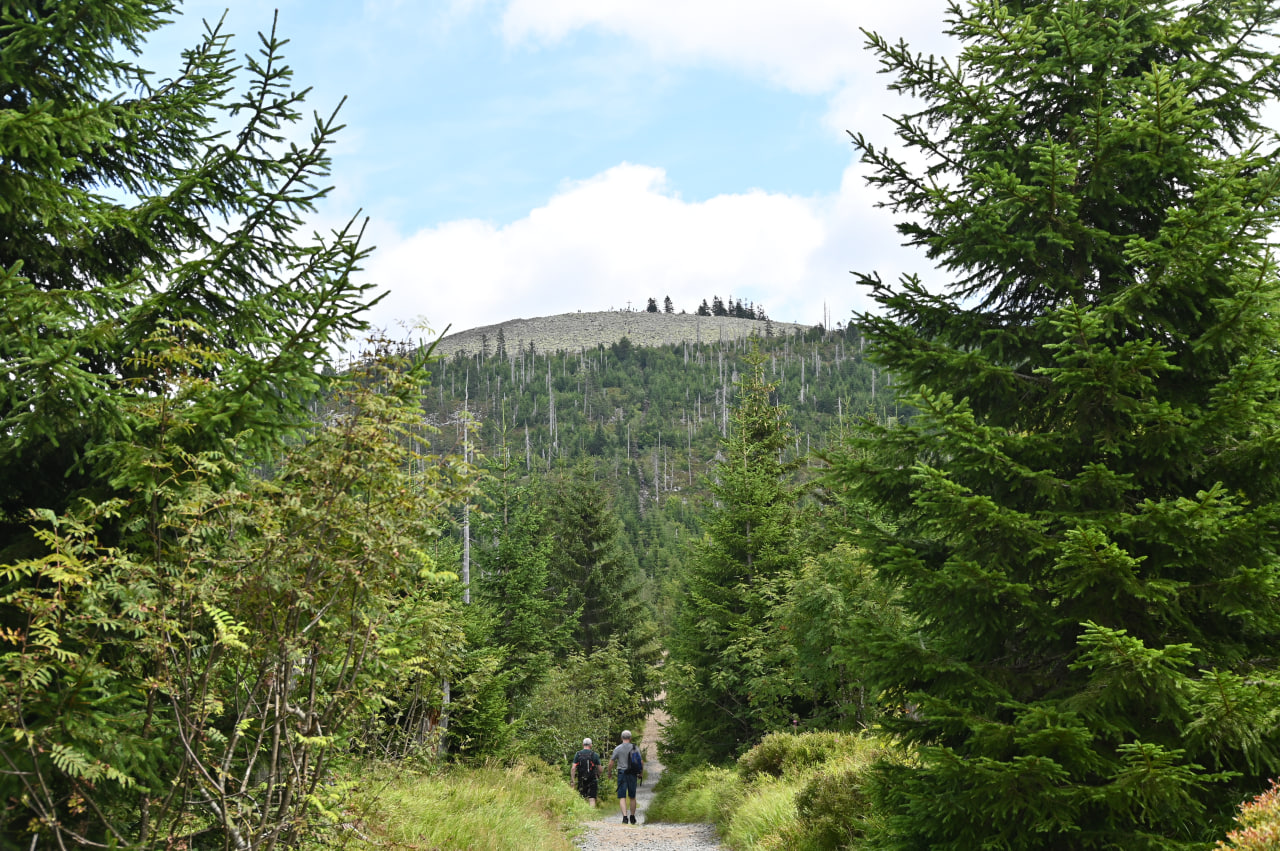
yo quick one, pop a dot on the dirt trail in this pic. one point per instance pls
(608, 832)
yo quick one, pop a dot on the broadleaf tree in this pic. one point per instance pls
(1083, 505)
(197, 685)
(835, 610)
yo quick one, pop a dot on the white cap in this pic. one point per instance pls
(626, 734)
(586, 743)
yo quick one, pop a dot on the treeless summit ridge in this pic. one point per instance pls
(572, 332)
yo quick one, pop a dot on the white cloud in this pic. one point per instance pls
(623, 236)
(806, 45)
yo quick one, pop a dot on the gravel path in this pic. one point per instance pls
(608, 832)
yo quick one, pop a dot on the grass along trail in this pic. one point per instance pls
(608, 832)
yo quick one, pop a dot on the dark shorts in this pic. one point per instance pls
(589, 787)
(626, 784)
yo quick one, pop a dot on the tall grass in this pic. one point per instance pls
(524, 807)
(765, 818)
(704, 794)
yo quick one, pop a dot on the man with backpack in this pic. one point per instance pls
(630, 766)
(586, 772)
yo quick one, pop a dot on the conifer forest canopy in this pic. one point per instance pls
(1020, 523)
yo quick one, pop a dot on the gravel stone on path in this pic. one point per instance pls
(608, 832)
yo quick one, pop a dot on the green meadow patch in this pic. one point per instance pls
(522, 807)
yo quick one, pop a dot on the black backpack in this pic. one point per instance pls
(586, 762)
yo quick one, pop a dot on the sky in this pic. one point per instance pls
(524, 158)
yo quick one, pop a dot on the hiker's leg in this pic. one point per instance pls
(631, 791)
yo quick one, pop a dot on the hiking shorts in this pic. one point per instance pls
(626, 784)
(588, 787)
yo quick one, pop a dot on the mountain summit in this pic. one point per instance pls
(571, 332)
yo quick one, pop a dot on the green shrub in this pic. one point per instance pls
(766, 757)
(583, 696)
(833, 807)
(816, 749)
(828, 774)
(804, 792)
(787, 753)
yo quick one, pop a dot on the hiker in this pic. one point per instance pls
(628, 777)
(586, 772)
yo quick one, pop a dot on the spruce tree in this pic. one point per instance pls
(728, 679)
(592, 570)
(512, 586)
(127, 210)
(1084, 505)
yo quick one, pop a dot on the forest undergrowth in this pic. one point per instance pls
(803, 792)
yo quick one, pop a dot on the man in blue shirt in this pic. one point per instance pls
(626, 780)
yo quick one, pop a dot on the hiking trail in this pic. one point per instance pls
(607, 831)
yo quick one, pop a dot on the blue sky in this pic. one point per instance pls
(522, 158)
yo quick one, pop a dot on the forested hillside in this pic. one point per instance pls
(656, 408)
(649, 419)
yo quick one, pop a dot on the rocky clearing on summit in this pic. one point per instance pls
(572, 332)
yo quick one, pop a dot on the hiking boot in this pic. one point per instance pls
(633, 818)
(625, 820)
